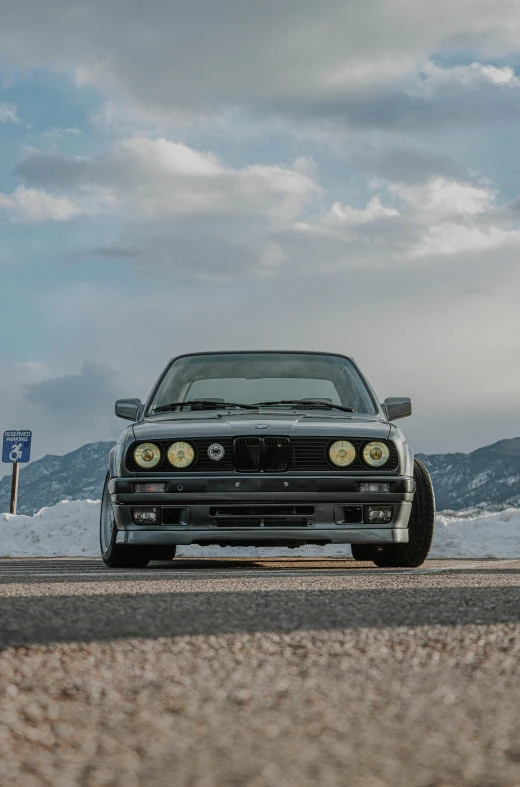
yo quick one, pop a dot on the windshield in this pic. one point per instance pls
(250, 378)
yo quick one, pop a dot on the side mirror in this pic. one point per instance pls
(130, 409)
(397, 407)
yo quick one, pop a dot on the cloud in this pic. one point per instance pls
(63, 411)
(187, 211)
(54, 135)
(8, 113)
(35, 206)
(438, 217)
(457, 217)
(87, 396)
(184, 209)
(474, 76)
(396, 163)
(373, 211)
(453, 238)
(442, 197)
(365, 66)
(156, 178)
(429, 97)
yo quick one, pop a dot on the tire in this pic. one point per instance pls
(361, 552)
(116, 555)
(420, 526)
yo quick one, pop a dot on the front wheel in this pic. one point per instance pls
(116, 555)
(420, 528)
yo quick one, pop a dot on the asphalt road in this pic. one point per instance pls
(275, 672)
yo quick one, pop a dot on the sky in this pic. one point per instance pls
(185, 175)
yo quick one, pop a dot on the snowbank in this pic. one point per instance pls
(487, 534)
(70, 529)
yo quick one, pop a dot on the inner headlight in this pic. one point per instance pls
(342, 453)
(181, 454)
(147, 455)
(376, 454)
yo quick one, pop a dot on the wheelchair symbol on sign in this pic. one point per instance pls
(16, 453)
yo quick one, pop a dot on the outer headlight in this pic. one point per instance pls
(147, 455)
(181, 454)
(376, 454)
(342, 453)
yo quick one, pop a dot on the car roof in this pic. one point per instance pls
(262, 352)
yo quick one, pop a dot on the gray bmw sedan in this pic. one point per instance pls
(267, 448)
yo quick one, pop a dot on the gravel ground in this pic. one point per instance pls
(280, 672)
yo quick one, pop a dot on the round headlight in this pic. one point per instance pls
(376, 454)
(181, 454)
(147, 455)
(342, 453)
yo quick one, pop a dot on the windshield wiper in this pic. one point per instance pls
(308, 403)
(202, 404)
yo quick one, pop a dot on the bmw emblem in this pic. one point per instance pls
(262, 426)
(216, 452)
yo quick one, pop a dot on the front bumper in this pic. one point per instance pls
(319, 503)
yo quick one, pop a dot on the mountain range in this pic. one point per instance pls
(76, 476)
(486, 478)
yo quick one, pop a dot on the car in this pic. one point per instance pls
(265, 448)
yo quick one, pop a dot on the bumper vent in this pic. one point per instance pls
(292, 515)
(264, 522)
(269, 510)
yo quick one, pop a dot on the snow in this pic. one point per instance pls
(71, 529)
(486, 534)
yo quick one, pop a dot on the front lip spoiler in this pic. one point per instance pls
(247, 538)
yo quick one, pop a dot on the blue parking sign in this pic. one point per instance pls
(17, 446)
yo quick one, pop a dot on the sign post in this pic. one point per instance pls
(15, 450)
(14, 488)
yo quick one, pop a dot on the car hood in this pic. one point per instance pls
(213, 425)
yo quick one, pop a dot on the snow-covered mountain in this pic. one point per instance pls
(487, 478)
(76, 476)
